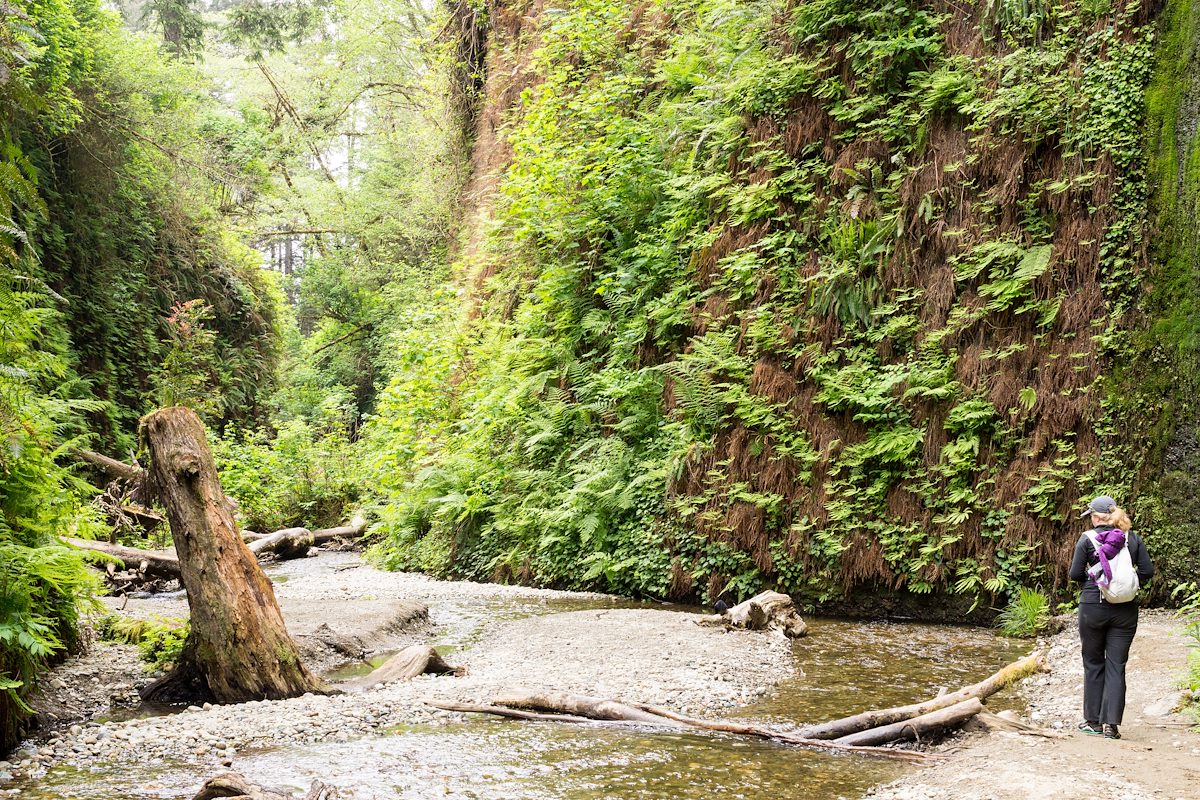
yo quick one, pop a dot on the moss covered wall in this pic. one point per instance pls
(1155, 391)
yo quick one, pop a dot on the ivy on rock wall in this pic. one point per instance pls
(816, 294)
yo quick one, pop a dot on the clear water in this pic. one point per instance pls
(842, 667)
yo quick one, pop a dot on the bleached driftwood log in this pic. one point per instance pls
(561, 707)
(283, 544)
(158, 563)
(861, 733)
(765, 611)
(410, 662)
(1010, 674)
(319, 535)
(918, 727)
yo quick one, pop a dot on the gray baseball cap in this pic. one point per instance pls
(1100, 505)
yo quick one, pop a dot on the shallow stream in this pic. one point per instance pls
(842, 667)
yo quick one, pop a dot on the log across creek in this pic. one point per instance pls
(863, 734)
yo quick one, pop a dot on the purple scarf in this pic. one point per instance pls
(1109, 543)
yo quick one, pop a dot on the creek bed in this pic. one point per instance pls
(841, 668)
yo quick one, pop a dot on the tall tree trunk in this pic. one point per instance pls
(238, 648)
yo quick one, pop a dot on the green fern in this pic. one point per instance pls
(1026, 615)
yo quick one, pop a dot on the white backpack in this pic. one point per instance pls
(1124, 584)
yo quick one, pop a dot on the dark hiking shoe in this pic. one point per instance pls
(1090, 728)
(1111, 732)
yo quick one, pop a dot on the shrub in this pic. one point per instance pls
(300, 476)
(1026, 614)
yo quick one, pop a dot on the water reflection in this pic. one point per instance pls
(845, 667)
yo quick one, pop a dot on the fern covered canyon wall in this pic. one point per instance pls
(855, 298)
(683, 299)
(107, 236)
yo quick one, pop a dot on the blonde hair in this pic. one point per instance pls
(1117, 517)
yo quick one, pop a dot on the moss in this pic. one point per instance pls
(1153, 389)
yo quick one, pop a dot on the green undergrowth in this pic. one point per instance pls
(159, 640)
(300, 474)
(1026, 615)
(813, 296)
(1189, 613)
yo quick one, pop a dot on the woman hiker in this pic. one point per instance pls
(1105, 629)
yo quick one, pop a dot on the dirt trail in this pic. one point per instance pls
(1157, 758)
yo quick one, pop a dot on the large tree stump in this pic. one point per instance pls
(238, 648)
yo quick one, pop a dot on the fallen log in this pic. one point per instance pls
(410, 662)
(765, 611)
(577, 705)
(838, 728)
(285, 544)
(560, 707)
(352, 531)
(111, 466)
(510, 713)
(913, 729)
(158, 563)
(319, 535)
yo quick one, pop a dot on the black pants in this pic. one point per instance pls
(1106, 631)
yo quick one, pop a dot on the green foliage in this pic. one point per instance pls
(268, 27)
(1026, 615)
(42, 582)
(180, 23)
(717, 344)
(187, 374)
(1188, 594)
(302, 475)
(160, 640)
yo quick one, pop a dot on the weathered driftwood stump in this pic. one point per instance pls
(233, 785)
(771, 611)
(410, 662)
(238, 648)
